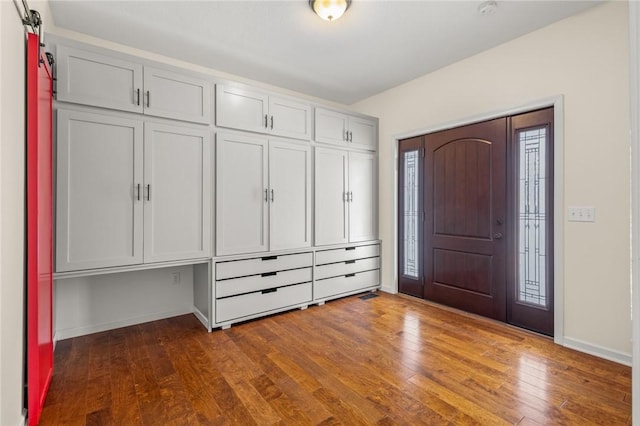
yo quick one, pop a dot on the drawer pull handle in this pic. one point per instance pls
(350, 275)
(269, 258)
(350, 248)
(271, 290)
(269, 274)
(349, 261)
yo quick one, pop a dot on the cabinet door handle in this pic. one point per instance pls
(138, 96)
(271, 290)
(272, 196)
(272, 122)
(269, 274)
(148, 99)
(266, 195)
(350, 136)
(138, 192)
(349, 248)
(350, 196)
(348, 262)
(270, 258)
(350, 275)
(148, 192)
(266, 117)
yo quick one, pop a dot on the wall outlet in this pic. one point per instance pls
(175, 278)
(582, 214)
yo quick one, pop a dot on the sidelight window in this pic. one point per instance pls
(532, 216)
(411, 211)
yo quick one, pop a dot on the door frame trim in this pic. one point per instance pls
(557, 102)
(634, 116)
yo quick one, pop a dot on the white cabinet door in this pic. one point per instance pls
(177, 190)
(241, 109)
(289, 195)
(171, 95)
(289, 118)
(363, 133)
(94, 79)
(99, 205)
(331, 127)
(363, 200)
(241, 194)
(331, 172)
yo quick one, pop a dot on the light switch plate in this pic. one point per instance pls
(582, 214)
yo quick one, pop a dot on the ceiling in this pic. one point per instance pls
(376, 45)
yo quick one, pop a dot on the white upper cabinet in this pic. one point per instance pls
(177, 187)
(100, 80)
(345, 130)
(90, 78)
(346, 196)
(172, 95)
(263, 194)
(289, 118)
(259, 112)
(99, 191)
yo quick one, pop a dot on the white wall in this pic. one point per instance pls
(586, 59)
(12, 184)
(103, 302)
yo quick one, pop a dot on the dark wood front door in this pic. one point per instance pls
(475, 218)
(465, 208)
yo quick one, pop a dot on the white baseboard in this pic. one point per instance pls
(89, 329)
(23, 420)
(598, 351)
(389, 290)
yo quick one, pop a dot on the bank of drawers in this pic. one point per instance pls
(249, 287)
(346, 270)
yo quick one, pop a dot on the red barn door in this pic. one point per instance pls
(39, 229)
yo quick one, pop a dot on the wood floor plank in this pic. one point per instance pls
(388, 360)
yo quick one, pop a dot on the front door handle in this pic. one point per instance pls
(497, 236)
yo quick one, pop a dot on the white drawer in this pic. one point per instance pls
(344, 284)
(348, 267)
(348, 253)
(245, 305)
(260, 265)
(263, 281)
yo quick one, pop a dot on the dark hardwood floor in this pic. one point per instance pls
(386, 360)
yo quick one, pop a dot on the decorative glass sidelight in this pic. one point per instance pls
(411, 211)
(532, 217)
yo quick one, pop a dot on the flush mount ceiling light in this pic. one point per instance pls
(329, 10)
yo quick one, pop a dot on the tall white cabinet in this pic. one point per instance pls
(263, 194)
(346, 196)
(177, 185)
(129, 192)
(99, 191)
